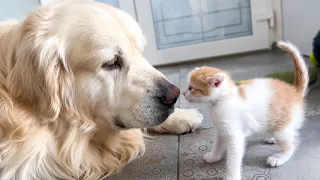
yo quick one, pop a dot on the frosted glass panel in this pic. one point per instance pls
(185, 22)
(114, 3)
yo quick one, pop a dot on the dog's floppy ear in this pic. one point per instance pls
(41, 77)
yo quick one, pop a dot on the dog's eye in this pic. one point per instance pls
(114, 64)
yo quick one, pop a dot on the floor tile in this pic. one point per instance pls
(303, 165)
(313, 102)
(160, 161)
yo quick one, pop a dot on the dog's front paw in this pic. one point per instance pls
(181, 121)
(210, 158)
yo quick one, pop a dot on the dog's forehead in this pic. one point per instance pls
(95, 19)
(99, 29)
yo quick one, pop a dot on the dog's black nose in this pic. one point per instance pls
(170, 93)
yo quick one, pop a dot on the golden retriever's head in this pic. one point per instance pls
(87, 58)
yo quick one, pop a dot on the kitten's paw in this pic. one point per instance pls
(210, 158)
(275, 160)
(271, 140)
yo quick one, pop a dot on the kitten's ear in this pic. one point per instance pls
(215, 80)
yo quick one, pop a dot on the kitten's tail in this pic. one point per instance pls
(301, 70)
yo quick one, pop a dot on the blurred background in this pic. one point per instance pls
(189, 30)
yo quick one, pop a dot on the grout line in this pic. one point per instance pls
(178, 160)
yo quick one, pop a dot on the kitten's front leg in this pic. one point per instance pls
(217, 150)
(235, 151)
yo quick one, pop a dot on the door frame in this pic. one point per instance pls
(275, 33)
(261, 37)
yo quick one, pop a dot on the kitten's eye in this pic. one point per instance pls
(114, 64)
(190, 88)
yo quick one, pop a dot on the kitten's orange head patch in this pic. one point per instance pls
(202, 80)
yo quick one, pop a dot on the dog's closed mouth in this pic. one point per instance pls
(174, 102)
(171, 110)
(118, 122)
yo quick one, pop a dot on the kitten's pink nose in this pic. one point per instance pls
(184, 93)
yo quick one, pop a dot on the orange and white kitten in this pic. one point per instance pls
(257, 106)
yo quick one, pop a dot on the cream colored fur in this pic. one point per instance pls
(180, 122)
(75, 90)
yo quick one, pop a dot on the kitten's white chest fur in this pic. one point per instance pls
(248, 115)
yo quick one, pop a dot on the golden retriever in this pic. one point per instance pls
(75, 91)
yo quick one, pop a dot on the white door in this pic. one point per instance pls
(183, 30)
(300, 23)
(125, 5)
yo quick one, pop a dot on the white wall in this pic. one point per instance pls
(301, 22)
(17, 9)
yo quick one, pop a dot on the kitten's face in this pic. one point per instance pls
(205, 84)
(197, 92)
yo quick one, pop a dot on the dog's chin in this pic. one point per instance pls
(171, 110)
(118, 123)
(121, 125)
(163, 117)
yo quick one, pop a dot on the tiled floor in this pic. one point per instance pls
(171, 157)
